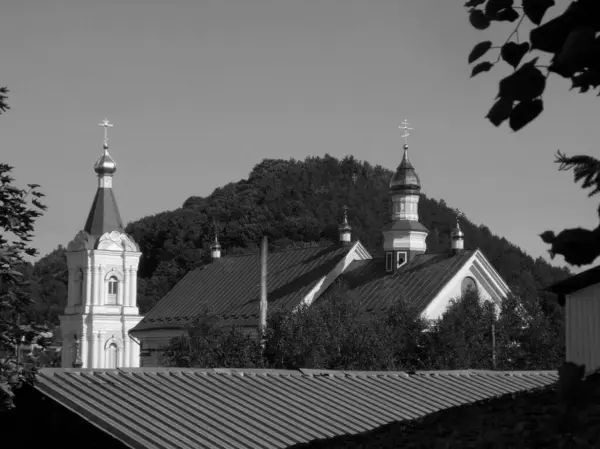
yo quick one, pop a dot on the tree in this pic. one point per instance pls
(573, 48)
(19, 209)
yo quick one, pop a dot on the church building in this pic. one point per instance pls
(102, 261)
(231, 286)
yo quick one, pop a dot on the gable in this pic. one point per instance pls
(490, 285)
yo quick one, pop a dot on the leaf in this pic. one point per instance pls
(526, 83)
(493, 7)
(479, 50)
(479, 20)
(473, 3)
(535, 9)
(548, 237)
(524, 113)
(506, 15)
(481, 67)
(512, 52)
(500, 111)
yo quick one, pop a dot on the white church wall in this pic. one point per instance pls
(92, 312)
(487, 289)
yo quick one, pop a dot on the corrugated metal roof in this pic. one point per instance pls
(104, 214)
(220, 408)
(231, 286)
(418, 282)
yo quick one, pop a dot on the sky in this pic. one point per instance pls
(200, 91)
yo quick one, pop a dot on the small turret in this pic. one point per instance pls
(458, 239)
(215, 249)
(345, 229)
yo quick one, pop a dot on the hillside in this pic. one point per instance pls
(293, 202)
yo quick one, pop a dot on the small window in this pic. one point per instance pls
(113, 287)
(400, 259)
(389, 258)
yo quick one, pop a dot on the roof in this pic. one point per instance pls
(418, 282)
(156, 408)
(405, 225)
(230, 286)
(575, 283)
(104, 215)
(526, 419)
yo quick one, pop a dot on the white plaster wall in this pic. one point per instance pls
(582, 332)
(413, 240)
(452, 290)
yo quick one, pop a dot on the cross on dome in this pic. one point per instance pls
(106, 125)
(405, 128)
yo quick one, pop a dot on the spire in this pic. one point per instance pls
(458, 238)
(104, 214)
(345, 229)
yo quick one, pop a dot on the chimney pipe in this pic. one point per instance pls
(262, 315)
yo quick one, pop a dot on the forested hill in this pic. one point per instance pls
(294, 203)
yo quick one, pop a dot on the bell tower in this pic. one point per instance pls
(102, 290)
(404, 237)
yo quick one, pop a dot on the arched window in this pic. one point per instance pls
(113, 288)
(112, 355)
(468, 283)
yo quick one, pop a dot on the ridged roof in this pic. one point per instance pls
(104, 214)
(160, 408)
(230, 286)
(418, 282)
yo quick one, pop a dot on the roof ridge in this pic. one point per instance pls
(308, 371)
(277, 251)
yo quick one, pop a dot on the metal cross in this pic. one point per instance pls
(345, 212)
(106, 125)
(405, 128)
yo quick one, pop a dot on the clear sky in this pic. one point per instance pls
(200, 91)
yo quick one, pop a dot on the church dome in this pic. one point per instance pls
(105, 165)
(405, 178)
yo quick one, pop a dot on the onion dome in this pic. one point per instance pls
(405, 179)
(105, 165)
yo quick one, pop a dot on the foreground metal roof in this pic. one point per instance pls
(158, 408)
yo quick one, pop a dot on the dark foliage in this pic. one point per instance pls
(19, 209)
